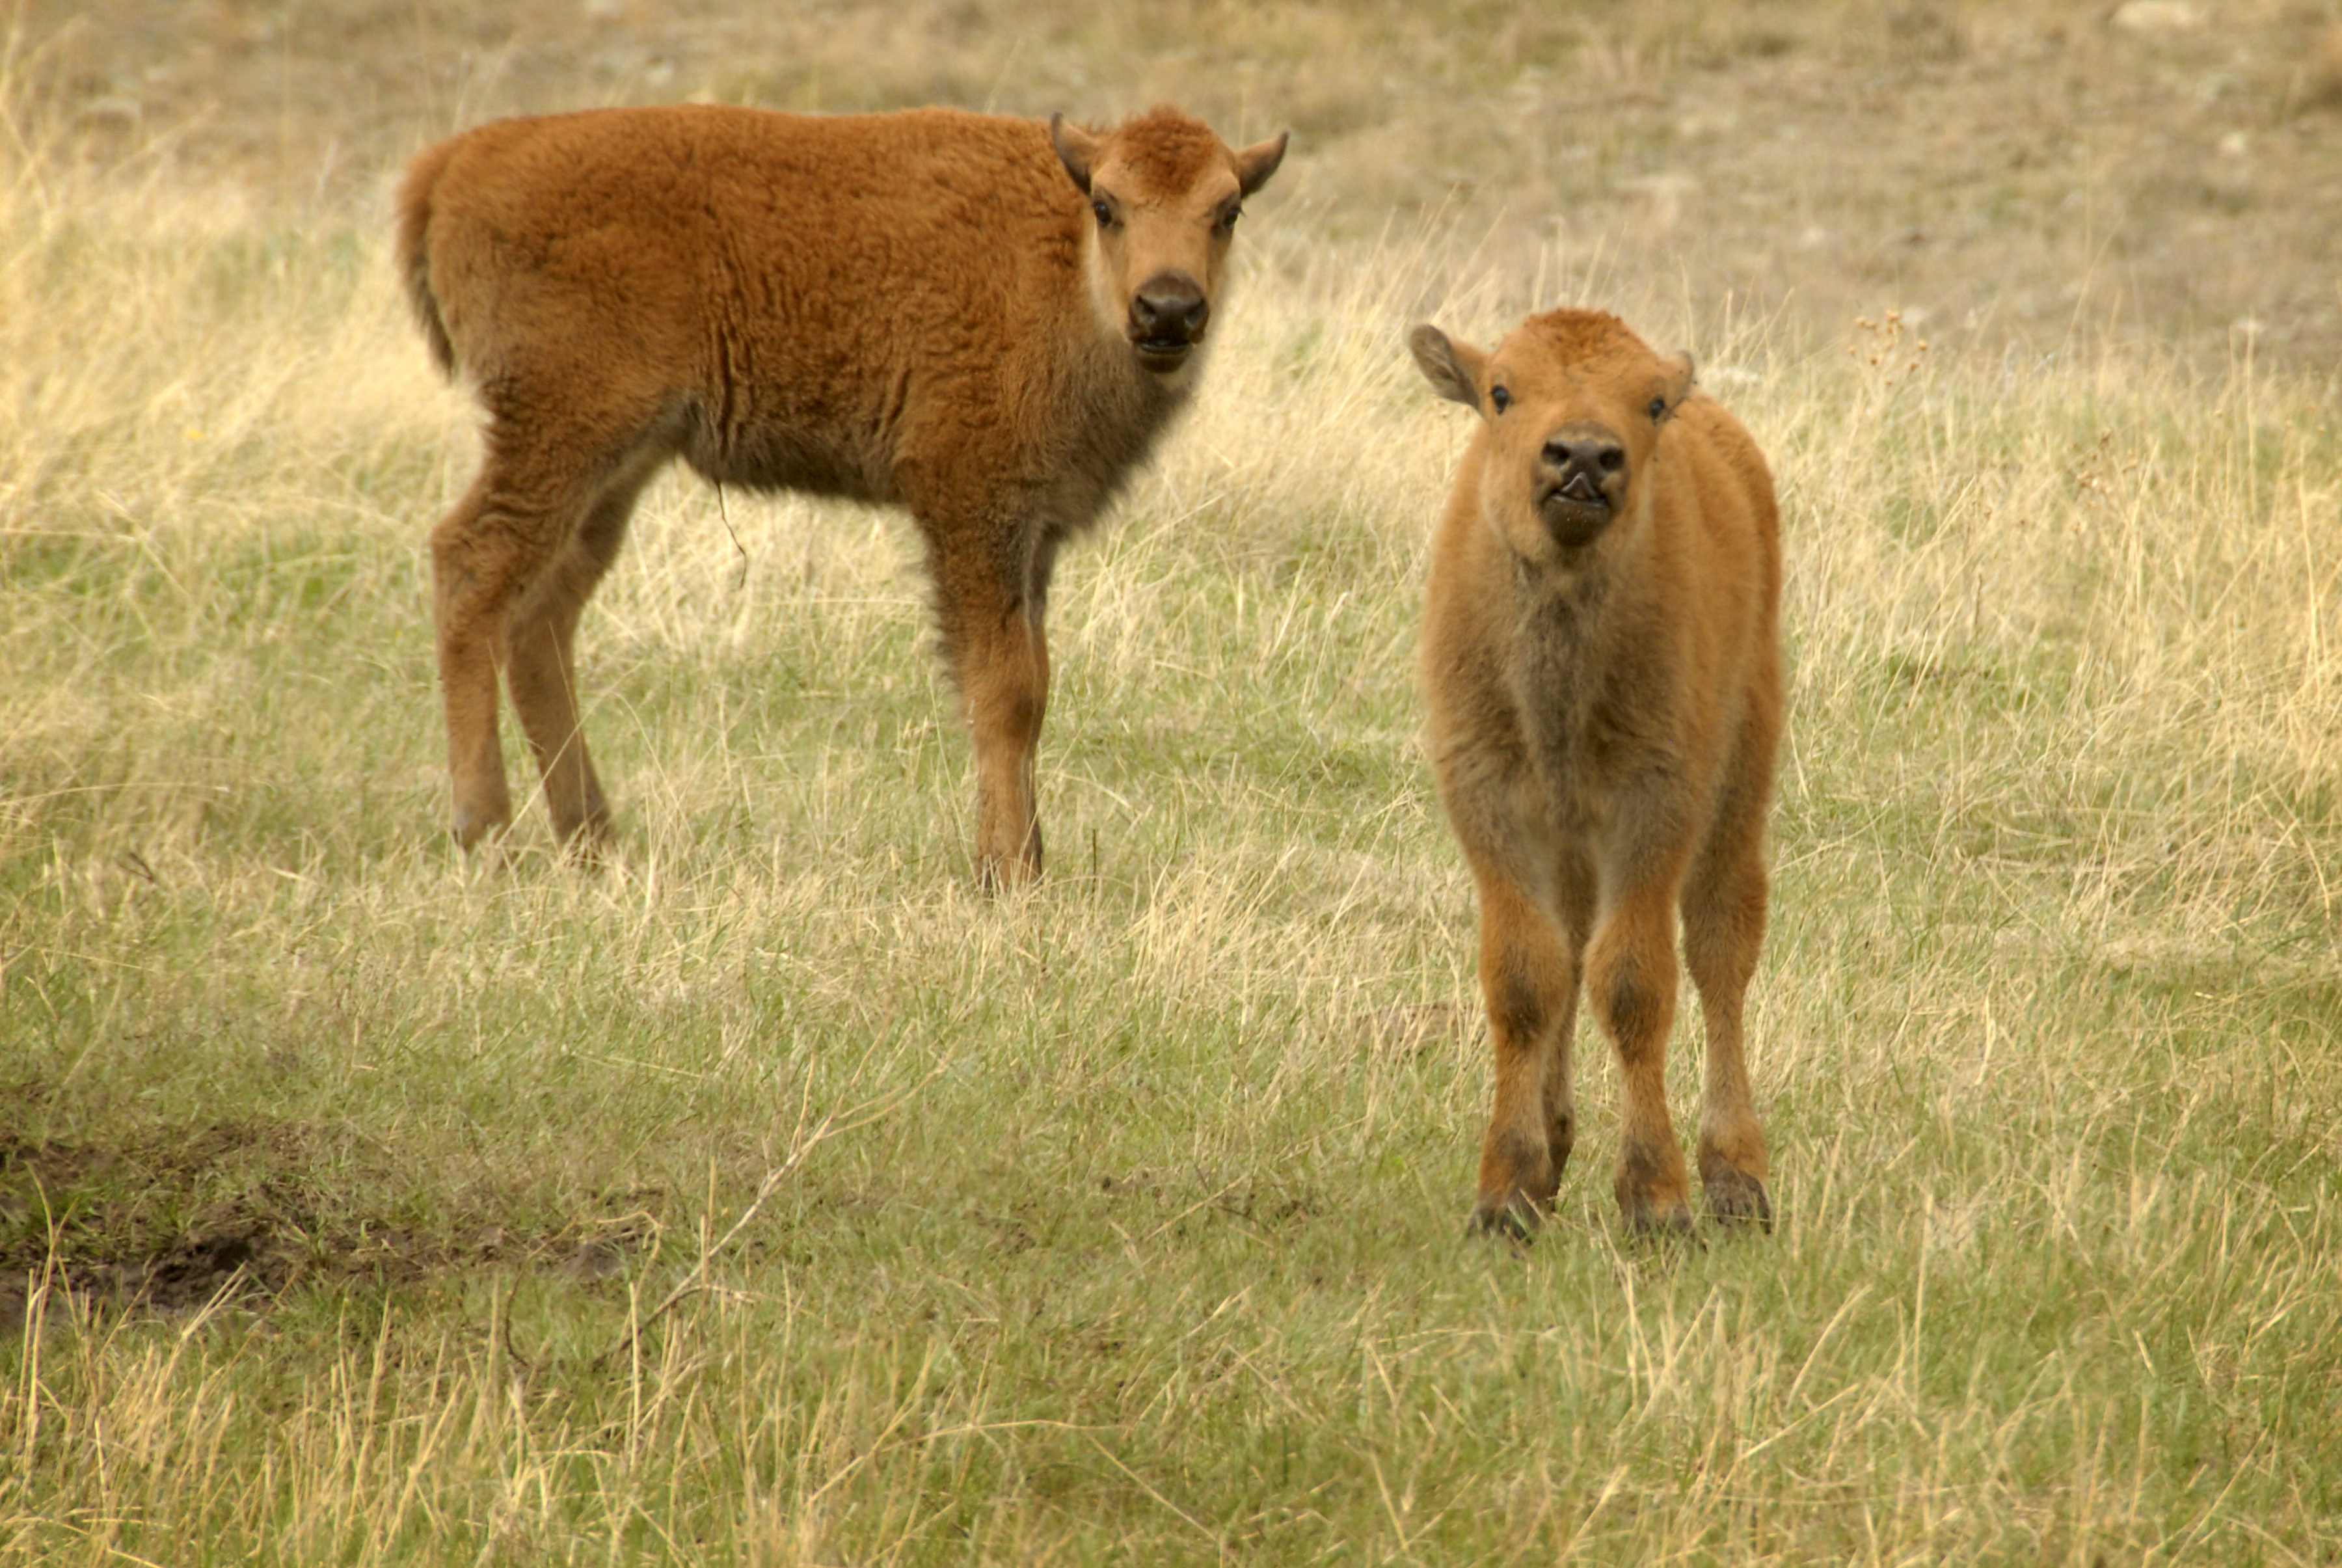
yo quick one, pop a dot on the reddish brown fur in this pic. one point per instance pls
(1168, 150)
(919, 309)
(1601, 655)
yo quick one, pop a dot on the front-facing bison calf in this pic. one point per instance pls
(1601, 655)
(989, 321)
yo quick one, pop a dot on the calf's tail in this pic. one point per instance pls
(415, 251)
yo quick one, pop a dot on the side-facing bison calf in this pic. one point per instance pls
(989, 321)
(1601, 655)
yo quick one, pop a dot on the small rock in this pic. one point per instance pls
(595, 1260)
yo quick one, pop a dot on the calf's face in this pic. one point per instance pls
(1163, 194)
(1573, 404)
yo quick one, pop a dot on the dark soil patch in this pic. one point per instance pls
(167, 1219)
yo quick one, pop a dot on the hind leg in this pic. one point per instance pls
(541, 669)
(1630, 979)
(485, 554)
(1724, 907)
(468, 576)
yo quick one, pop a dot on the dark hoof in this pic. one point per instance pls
(1736, 1200)
(1669, 1224)
(591, 850)
(998, 878)
(1515, 1218)
(471, 831)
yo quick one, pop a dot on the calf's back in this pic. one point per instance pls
(810, 300)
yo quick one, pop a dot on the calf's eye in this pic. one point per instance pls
(1658, 409)
(1105, 213)
(1500, 397)
(1229, 218)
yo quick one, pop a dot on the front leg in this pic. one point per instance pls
(1000, 657)
(1528, 978)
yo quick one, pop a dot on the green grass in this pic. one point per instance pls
(342, 1178)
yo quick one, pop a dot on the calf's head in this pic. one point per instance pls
(1165, 194)
(1573, 404)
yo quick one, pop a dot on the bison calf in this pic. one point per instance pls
(989, 321)
(1601, 655)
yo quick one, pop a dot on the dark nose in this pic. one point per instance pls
(1169, 306)
(1596, 452)
(1584, 458)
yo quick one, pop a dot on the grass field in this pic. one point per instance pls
(773, 1196)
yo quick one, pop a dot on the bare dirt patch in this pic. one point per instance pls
(166, 1218)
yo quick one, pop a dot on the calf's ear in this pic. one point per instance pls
(1453, 369)
(1076, 149)
(1679, 376)
(1254, 164)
